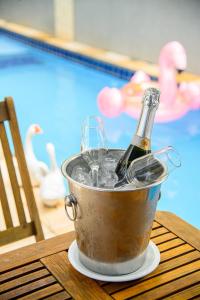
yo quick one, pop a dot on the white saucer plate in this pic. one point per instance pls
(151, 262)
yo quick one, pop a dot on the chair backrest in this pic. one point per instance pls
(28, 223)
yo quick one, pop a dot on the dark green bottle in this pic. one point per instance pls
(141, 142)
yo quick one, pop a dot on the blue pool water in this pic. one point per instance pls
(58, 94)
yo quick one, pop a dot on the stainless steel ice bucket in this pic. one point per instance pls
(112, 227)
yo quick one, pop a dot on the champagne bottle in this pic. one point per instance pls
(141, 142)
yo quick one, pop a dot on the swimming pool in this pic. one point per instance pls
(58, 94)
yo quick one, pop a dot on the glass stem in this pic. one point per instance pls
(95, 172)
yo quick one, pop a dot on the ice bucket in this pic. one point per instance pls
(112, 227)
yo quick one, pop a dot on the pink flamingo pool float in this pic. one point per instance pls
(176, 100)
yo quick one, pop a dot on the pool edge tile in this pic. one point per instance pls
(116, 64)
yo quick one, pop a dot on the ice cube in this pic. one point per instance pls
(80, 175)
(97, 169)
(94, 175)
(94, 156)
(107, 176)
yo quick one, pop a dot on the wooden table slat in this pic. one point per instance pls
(59, 296)
(156, 225)
(47, 291)
(171, 287)
(36, 251)
(21, 270)
(170, 244)
(186, 294)
(144, 286)
(28, 288)
(23, 279)
(162, 268)
(175, 252)
(158, 231)
(179, 227)
(79, 286)
(163, 238)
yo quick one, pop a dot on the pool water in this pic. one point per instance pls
(58, 94)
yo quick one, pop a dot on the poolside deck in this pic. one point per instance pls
(96, 53)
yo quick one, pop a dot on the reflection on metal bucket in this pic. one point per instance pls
(112, 227)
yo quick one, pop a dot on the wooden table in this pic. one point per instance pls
(42, 270)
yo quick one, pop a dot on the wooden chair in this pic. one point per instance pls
(25, 228)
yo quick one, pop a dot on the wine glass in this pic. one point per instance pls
(93, 144)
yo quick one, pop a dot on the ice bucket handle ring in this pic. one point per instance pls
(70, 201)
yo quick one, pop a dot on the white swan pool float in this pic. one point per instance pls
(52, 188)
(38, 169)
